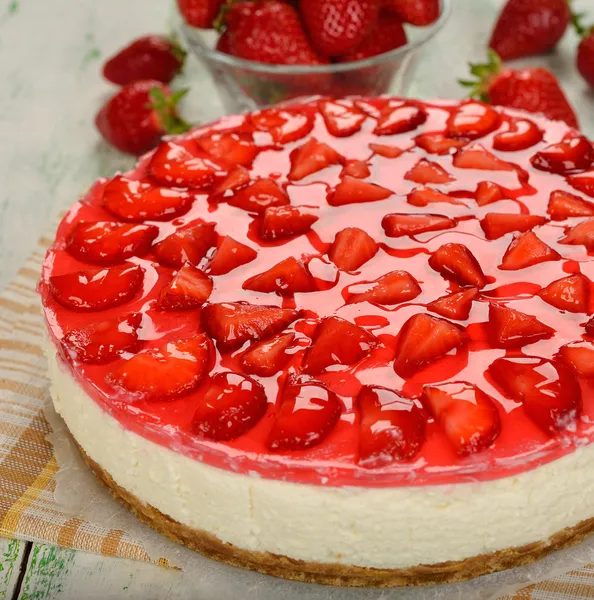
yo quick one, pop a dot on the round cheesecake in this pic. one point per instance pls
(341, 341)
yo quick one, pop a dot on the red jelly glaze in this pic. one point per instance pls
(521, 444)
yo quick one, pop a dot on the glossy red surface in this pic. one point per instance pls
(333, 460)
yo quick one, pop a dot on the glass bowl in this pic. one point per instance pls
(245, 85)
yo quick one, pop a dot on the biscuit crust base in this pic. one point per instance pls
(336, 574)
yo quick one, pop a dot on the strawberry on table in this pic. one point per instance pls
(415, 12)
(288, 277)
(392, 288)
(187, 245)
(585, 53)
(410, 224)
(457, 263)
(189, 288)
(510, 328)
(268, 357)
(199, 13)
(352, 248)
(229, 255)
(570, 293)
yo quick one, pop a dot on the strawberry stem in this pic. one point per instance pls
(219, 22)
(166, 109)
(177, 49)
(483, 72)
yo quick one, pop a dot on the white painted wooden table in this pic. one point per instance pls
(50, 55)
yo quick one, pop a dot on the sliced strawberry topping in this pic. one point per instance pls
(391, 288)
(189, 244)
(472, 120)
(476, 157)
(281, 222)
(548, 390)
(229, 148)
(136, 201)
(438, 143)
(268, 357)
(237, 177)
(467, 416)
(569, 293)
(424, 196)
(258, 196)
(288, 277)
(496, 225)
(109, 243)
(97, 289)
(189, 288)
(233, 323)
(581, 235)
(422, 340)
(574, 153)
(352, 248)
(352, 190)
(563, 205)
(579, 356)
(589, 327)
(488, 192)
(399, 119)
(356, 168)
(509, 328)
(312, 157)
(426, 171)
(174, 164)
(283, 125)
(386, 151)
(307, 414)
(103, 342)
(230, 254)
(584, 182)
(392, 427)
(399, 225)
(342, 119)
(165, 372)
(522, 134)
(455, 306)
(231, 405)
(457, 263)
(526, 250)
(337, 342)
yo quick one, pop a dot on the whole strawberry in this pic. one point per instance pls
(135, 119)
(149, 57)
(415, 12)
(528, 27)
(585, 53)
(268, 32)
(533, 89)
(199, 13)
(337, 27)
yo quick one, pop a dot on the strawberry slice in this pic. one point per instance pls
(426, 172)
(109, 243)
(189, 288)
(233, 323)
(165, 372)
(574, 153)
(237, 177)
(258, 196)
(476, 157)
(342, 118)
(526, 250)
(307, 413)
(563, 205)
(352, 190)
(97, 289)
(580, 235)
(268, 357)
(284, 126)
(509, 328)
(569, 293)
(312, 157)
(99, 343)
(230, 254)
(280, 222)
(488, 192)
(455, 306)
(386, 151)
(229, 148)
(392, 427)
(399, 225)
(173, 164)
(496, 225)
(472, 120)
(138, 201)
(589, 327)
(399, 119)
(356, 168)
(424, 196)
(584, 182)
(352, 248)
(424, 339)
(456, 262)
(548, 390)
(438, 143)
(355, 343)
(467, 416)
(579, 357)
(189, 244)
(392, 288)
(288, 277)
(231, 405)
(521, 135)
